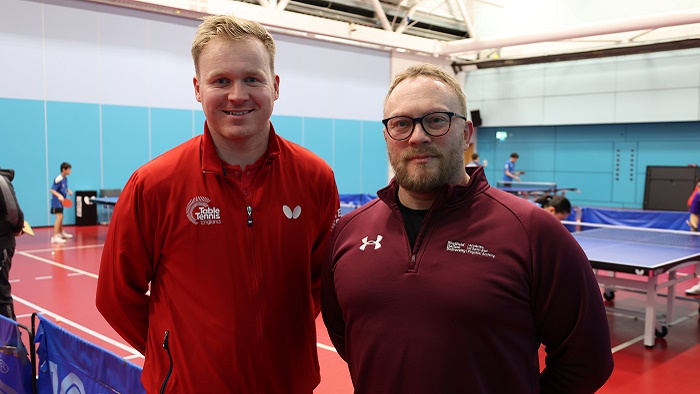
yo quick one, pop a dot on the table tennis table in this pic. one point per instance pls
(530, 189)
(106, 205)
(647, 254)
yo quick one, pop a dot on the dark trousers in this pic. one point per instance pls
(7, 307)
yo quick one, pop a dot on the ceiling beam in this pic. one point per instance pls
(594, 54)
(654, 21)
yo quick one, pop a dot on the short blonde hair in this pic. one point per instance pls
(432, 71)
(231, 28)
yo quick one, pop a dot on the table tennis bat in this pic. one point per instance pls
(67, 203)
(27, 229)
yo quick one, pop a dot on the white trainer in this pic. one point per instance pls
(57, 239)
(65, 235)
(695, 290)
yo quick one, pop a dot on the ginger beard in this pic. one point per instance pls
(426, 177)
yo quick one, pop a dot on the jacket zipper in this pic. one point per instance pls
(166, 346)
(256, 274)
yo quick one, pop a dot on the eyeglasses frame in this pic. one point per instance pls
(420, 119)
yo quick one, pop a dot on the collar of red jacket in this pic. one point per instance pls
(211, 162)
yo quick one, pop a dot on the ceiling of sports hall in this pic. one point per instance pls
(471, 33)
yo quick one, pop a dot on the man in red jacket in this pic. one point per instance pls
(446, 285)
(212, 262)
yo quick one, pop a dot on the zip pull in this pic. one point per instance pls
(166, 346)
(250, 215)
(165, 340)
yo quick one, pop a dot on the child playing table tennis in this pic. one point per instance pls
(59, 190)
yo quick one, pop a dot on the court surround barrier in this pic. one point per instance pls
(64, 363)
(15, 365)
(668, 220)
(70, 364)
(349, 202)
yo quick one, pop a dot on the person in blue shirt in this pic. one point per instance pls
(509, 173)
(59, 192)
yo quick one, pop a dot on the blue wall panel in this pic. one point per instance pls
(318, 137)
(374, 162)
(73, 136)
(487, 151)
(347, 149)
(584, 156)
(198, 123)
(124, 143)
(289, 127)
(169, 128)
(625, 177)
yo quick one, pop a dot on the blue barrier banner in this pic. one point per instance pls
(349, 202)
(15, 368)
(69, 364)
(356, 200)
(669, 220)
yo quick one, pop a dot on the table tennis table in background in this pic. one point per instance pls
(532, 190)
(106, 205)
(646, 254)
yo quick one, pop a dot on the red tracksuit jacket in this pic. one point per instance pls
(233, 268)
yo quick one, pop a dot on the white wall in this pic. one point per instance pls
(655, 87)
(73, 51)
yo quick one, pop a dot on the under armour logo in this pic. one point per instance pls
(291, 214)
(366, 241)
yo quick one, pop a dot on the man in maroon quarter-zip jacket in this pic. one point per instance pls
(445, 285)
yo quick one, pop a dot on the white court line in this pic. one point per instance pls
(80, 327)
(47, 261)
(43, 277)
(641, 337)
(63, 247)
(627, 344)
(326, 347)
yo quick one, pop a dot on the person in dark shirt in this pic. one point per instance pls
(694, 222)
(11, 224)
(475, 161)
(444, 284)
(559, 206)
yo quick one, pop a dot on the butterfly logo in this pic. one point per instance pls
(291, 214)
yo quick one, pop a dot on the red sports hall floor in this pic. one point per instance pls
(60, 282)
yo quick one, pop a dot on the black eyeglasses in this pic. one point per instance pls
(434, 124)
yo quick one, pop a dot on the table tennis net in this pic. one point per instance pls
(635, 234)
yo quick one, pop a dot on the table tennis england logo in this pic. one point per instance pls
(463, 247)
(199, 211)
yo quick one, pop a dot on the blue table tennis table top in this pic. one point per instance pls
(105, 200)
(640, 252)
(533, 189)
